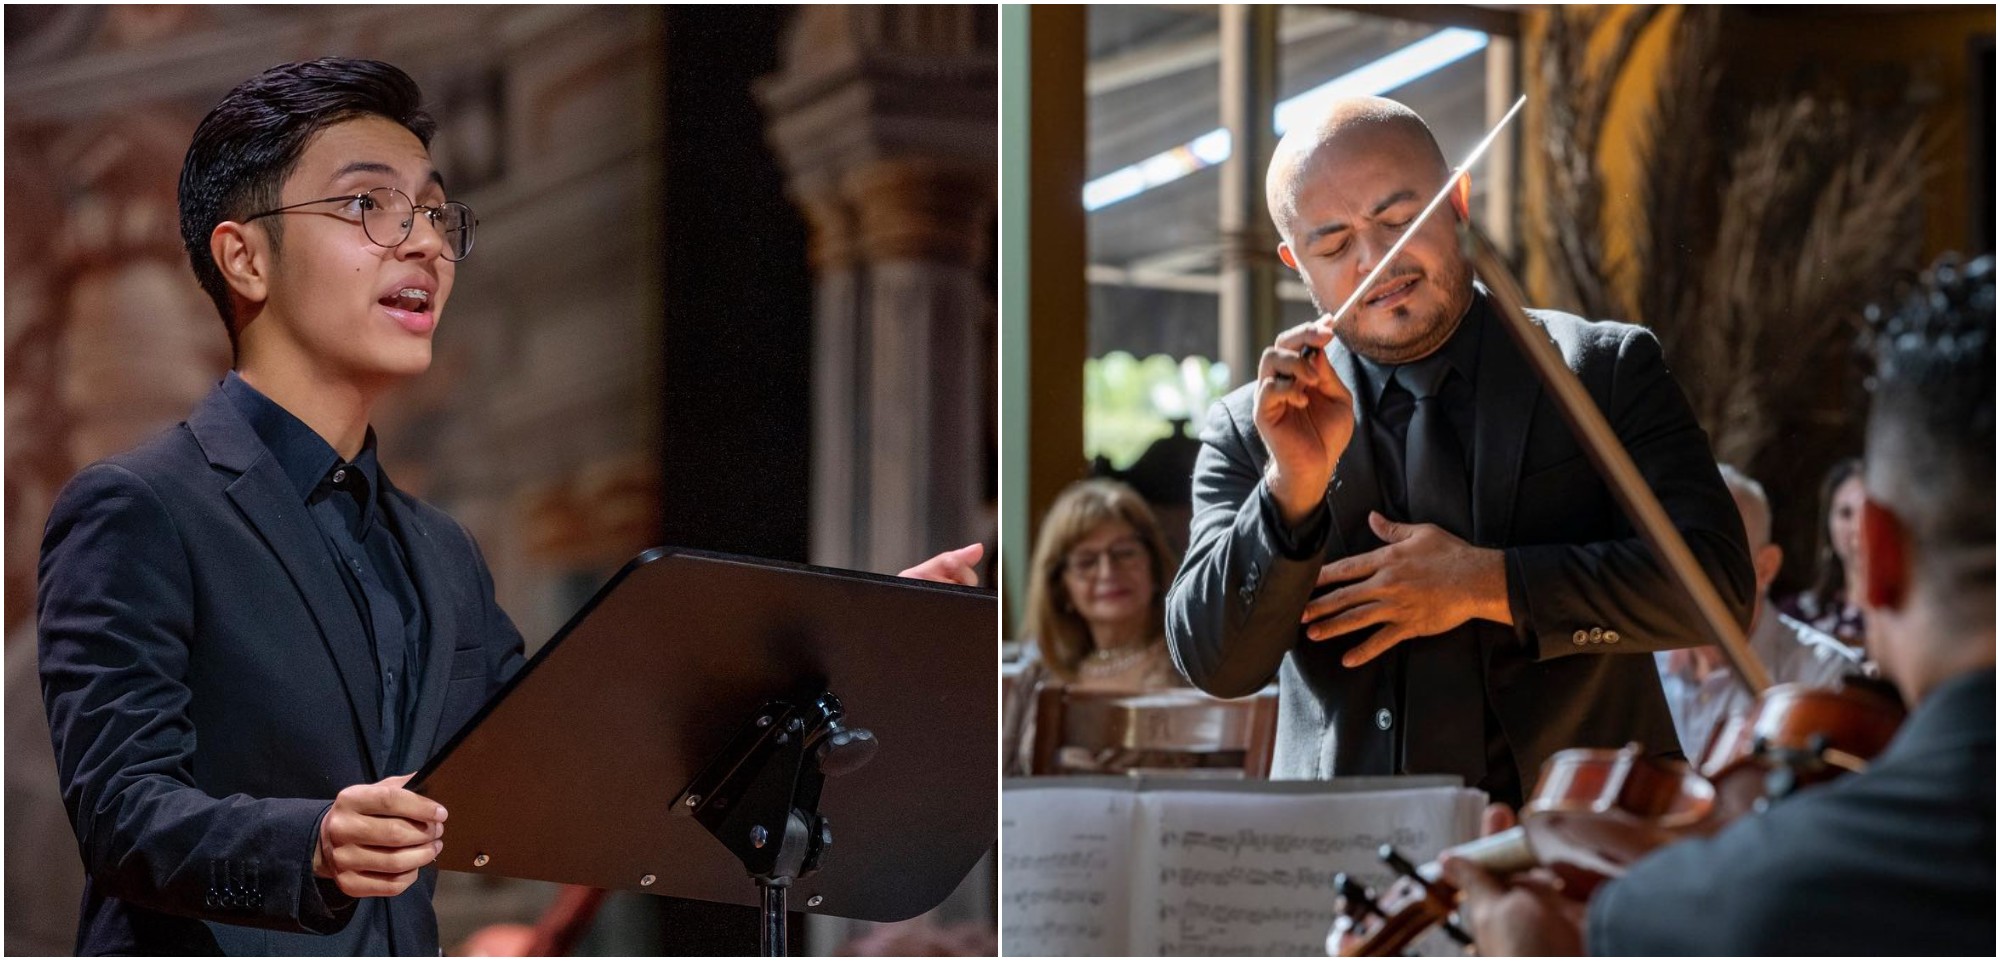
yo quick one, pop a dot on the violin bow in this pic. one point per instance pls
(1609, 456)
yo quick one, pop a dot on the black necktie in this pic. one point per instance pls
(1434, 484)
(1444, 696)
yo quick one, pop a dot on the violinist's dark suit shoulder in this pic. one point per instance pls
(1897, 860)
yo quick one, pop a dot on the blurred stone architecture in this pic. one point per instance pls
(569, 419)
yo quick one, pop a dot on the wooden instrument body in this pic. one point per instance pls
(1802, 736)
(1592, 814)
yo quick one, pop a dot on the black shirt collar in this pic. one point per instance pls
(306, 458)
(1460, 350)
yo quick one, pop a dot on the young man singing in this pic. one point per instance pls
(249, 637)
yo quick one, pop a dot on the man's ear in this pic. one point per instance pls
(1767, 561)
(243, 255)
(1884, 564)
(1461, 197)
(1285, 255)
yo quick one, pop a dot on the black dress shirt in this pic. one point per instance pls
(344, 500)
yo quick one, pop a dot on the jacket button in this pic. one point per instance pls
(1596, 635)
(1384, 720)
(1610, 637)
(1580, 638)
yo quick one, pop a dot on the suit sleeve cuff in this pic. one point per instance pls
(1302, 543)
(323, 907)
(1518, 604)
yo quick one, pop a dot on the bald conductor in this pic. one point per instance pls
(1400, 528)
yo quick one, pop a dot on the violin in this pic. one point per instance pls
(1796, 736)
(1596, 812)
(1592, 814)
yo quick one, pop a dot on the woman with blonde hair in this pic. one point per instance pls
(1096, 604)
(1096, 614)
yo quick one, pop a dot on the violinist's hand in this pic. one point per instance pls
(1521, 916)
(1423, 581)
(951, 567)
(1305, 416)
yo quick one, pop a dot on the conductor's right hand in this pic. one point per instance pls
(376, 837)
(1305, 416)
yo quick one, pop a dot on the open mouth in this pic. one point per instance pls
(410, 299)
(1392, 291)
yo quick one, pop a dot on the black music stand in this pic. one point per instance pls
(709, 721)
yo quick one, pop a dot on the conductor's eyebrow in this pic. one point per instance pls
(1392, 200)
(1337, 226)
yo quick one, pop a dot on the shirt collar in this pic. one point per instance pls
(371, 472)
(1460, 350)
(305, 457)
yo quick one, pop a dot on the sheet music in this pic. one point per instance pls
(1182, 869)
(1238, 874)
(1065, 870)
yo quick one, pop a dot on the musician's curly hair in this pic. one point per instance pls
(1931, 426)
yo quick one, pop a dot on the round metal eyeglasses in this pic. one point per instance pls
(388, 215)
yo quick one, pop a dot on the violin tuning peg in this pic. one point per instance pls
(1397, 862)
(1456, 933)
(1360, 901)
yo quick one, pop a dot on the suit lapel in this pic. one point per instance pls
(1356, 491)
(428, 569)
(1507, 394)
(271, 504)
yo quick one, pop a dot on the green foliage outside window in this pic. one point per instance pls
(1129, 403)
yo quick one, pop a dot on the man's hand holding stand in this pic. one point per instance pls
(376, 837)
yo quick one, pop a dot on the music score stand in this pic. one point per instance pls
(702, 698)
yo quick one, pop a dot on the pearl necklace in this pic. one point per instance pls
(1103, 663)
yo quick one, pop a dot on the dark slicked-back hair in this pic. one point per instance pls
(1931, 427)
(246, 147)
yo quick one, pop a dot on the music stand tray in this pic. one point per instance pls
(692, 668)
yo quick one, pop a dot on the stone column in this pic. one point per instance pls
(886, 120)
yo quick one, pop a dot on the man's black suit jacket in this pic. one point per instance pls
(1582, 584)
(210, 688)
